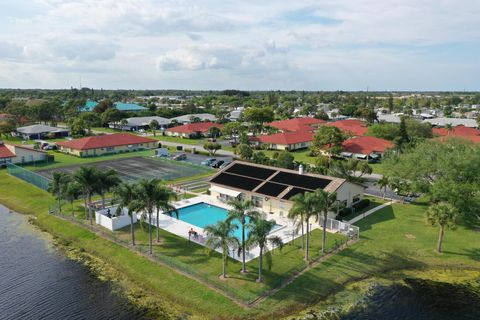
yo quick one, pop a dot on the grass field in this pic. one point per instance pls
(393, 239)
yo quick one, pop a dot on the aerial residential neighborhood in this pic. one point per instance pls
(239, 160)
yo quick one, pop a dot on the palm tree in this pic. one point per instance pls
(72, 192)
(107, 180)
(449, 128)
(57, 186)
(154, 126)
(147, 190)
(260, 229)
(326, 202)
(444, 215)
(162, 202)
(126, 196)
(87, 178)
(221, 235)
(383, 184)
(304, 205)
(241, 210)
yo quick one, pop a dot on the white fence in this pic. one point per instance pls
(110, 222)
(345, 228)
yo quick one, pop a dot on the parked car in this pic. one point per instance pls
(208, 162)
(50, 147)
(217, 164)
(180, 157)
(224, 165)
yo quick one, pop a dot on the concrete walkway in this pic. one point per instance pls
(369, 212)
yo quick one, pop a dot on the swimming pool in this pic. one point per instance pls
(203, 214)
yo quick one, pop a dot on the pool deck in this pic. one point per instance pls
(180, 228)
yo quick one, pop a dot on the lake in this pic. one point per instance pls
(38, 282)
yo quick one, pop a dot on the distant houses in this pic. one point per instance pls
(365, 147)
(40, 131)
(141, 123)
(106, 144)
(193, 130)
(196, 117)
(297, 124)
(11, 153)
(289, 141)
(122, 106)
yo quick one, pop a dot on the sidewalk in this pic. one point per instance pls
(369, 212)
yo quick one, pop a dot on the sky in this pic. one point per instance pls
(246, 45)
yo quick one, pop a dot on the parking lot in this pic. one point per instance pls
(198, 158)
(135, 168)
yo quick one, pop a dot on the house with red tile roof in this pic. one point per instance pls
(362, 147)
(12, 153)
(350, 127)
(297, 124)
(106, 144)
(458, 131)
(289, 141)
(193, 130)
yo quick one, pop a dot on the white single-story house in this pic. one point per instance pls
(138, 123)
(12, 153)
(185, 119)
(270, 188)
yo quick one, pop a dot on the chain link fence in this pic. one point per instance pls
(28, 176)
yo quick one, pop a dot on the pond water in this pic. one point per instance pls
(418, 299)
(37, 282)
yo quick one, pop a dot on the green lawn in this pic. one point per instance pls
(284, 262)
(393, 239)
(374, 202)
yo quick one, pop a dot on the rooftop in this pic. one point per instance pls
(273, 182)
(286, 138)
(103, 141)
(39, 128)
(195, 127)
(460, 131)
(201, 116)
(5, 152)
(350, 126)
(366, 145)
(296, 124)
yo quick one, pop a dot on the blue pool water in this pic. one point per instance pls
(203, 214)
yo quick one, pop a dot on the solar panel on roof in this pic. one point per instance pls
(293, 192)
(250, 171)
(271, 189)
(298, 180)
(234, 181)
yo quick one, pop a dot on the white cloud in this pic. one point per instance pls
(251, 44)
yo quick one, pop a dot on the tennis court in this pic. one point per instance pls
(135, 168)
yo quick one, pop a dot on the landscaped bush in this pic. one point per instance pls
(362, 204)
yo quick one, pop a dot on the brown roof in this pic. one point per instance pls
(103, 141)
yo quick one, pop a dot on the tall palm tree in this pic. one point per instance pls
(162, 202)
(87, 178)
(304, 205)
(326, 202)
(449, 128)
(241, 210)
(444, 215)
(57, 186)
(383, 184)
(107, 180)
(72, 192)
(154, 126)
(258, 235)
(222, 235)
(126, 196)
(147, 190)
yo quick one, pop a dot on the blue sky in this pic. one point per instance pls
(250, 45)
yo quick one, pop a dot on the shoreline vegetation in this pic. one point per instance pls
(395, 240)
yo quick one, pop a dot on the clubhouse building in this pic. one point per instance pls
(270, 189)
(106, 144)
